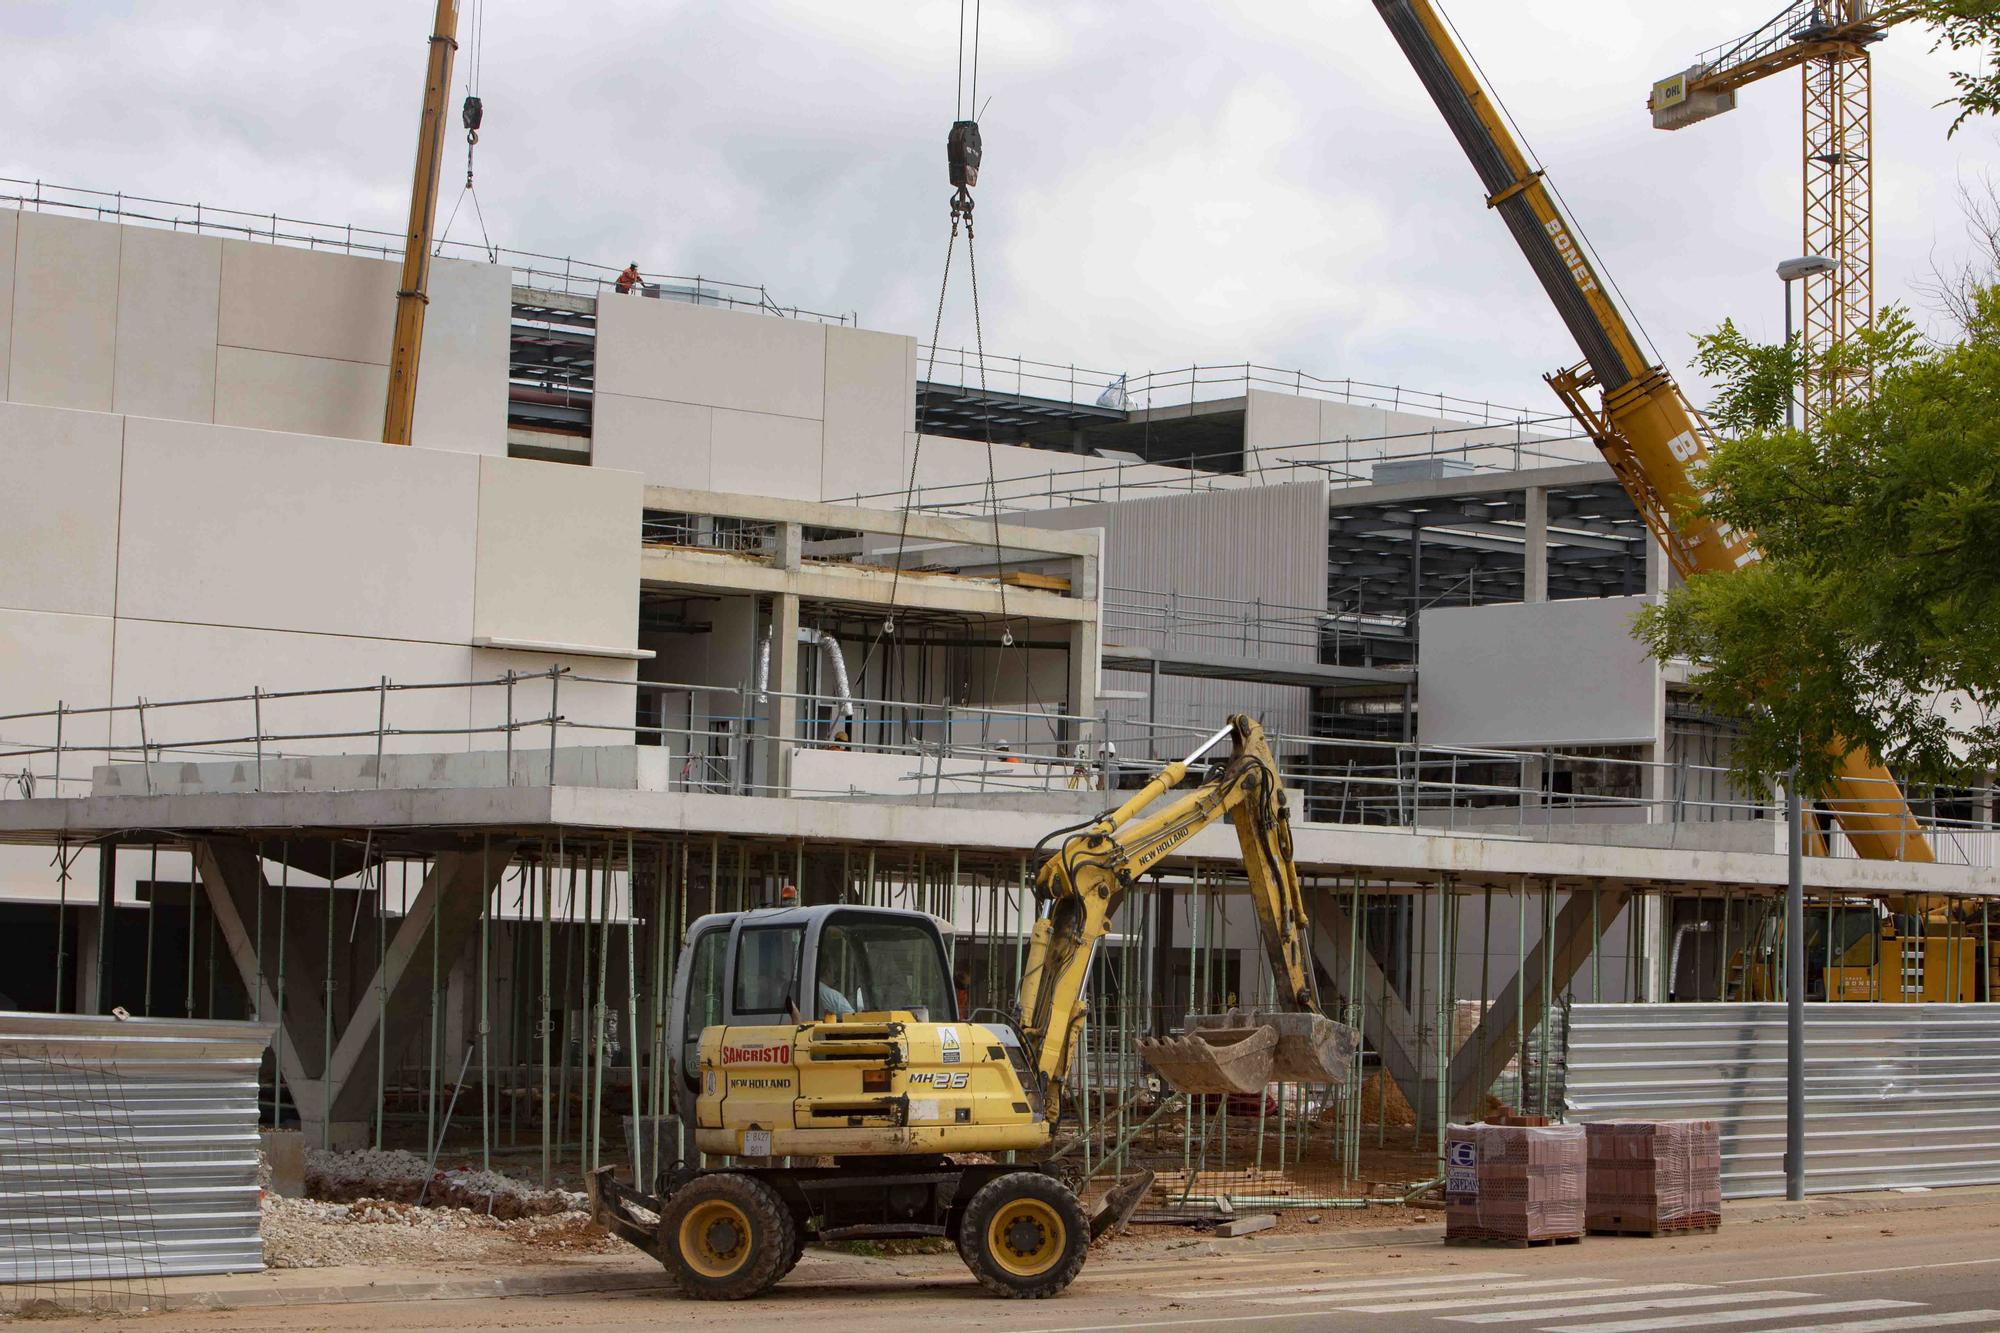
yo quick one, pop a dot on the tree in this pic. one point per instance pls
(1874, 618)
(1968, 25)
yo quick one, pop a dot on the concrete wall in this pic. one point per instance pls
(151, 323)
(1353, 437)
(730, 401)
(164, 560)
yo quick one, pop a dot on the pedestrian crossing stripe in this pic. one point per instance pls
(1709, 1318)
(1540, 1284)
(1295, 1288)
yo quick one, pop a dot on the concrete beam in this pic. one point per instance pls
(854, 518)
(677, 567)
(1421, 857)
(1386, 1023)
(232, 879)
(1499, 1030)
(453, 895)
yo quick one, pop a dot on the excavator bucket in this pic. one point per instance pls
(1310, 1048)
(1213, 1059)
(1115, 1209)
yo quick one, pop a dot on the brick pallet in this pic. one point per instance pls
(1653, 1178)
(1514, 1185)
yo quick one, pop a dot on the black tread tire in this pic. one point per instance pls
(773, 1237)
(798, 1251)
(992, 1196)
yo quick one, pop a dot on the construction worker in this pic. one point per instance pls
(630, 278)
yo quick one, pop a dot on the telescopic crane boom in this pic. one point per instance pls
(1653, 438)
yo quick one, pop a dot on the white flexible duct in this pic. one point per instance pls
(834, 655)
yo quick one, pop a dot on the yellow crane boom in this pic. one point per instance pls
(413, 292)
(1653, 438)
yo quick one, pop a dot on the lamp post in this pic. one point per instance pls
(1789, 272)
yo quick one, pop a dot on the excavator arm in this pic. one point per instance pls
(1653, 438)
(1083, 882)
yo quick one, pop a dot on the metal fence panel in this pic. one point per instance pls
(128, 1148)
(1898, 1096)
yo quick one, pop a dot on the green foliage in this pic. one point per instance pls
(1968, 25)
(1874, 617)
(1757, 378)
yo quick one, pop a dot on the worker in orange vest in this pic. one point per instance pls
(630, 278)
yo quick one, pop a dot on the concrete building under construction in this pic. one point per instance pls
(430, 754)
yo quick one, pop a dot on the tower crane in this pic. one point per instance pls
(1828, 41)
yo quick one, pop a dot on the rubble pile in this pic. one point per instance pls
(392, 1174)
(311, 1233)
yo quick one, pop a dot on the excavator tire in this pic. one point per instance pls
(726, 1237)
(1024, 1235)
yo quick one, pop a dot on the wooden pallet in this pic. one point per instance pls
(1510, 1242)
(1699, 1224)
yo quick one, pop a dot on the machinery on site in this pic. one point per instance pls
(1864, 951)
(1653, 438)
(819, 1057)
(1828, 42)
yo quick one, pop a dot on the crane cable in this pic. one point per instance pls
(472, 113)
(963, 152)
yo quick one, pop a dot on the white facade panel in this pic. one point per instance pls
(462, 381)
(47, 659)
(59, 510)
(870, 397)
(304, 395)
(755, 453)
(307, 302)
(666, 443)
(10, 231)
(160, 661)
(594, 712)
(1536, 673)
(65, 312)
(559, 550)
(223, 526)
(169, 289)
(716, 358)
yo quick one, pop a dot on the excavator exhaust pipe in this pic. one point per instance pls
(1243, 1050)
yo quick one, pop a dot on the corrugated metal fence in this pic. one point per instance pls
(128, 1149)
(1897, 1095)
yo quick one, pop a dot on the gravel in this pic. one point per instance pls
(311, 1233)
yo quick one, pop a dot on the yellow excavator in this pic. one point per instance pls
(835, 1092)
(1861, 950)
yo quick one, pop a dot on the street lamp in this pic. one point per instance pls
(1789, 272)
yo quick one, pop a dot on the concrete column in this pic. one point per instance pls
(103, 957)
(1086, 643)
(783, 705)
(1535, 548)
(1659, 572)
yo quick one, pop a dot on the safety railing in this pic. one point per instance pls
(541, 728)
(1180, 386)
(1217, 624)
(1072, 479)
(560, 273)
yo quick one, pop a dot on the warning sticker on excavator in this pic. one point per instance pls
(948, 1038)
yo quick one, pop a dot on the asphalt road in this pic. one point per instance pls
(1869, 1273)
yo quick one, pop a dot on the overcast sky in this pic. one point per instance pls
(1164, 183)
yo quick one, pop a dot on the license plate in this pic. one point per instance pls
(756, 1143)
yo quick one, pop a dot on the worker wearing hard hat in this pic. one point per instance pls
(630, 278)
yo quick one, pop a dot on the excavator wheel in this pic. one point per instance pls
(1024, 1235)
(726, 1237)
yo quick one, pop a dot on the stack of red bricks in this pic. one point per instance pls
(1654, 1177)
(1516, 1183)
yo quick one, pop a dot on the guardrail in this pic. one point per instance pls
(560, 273)
(726, 739)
